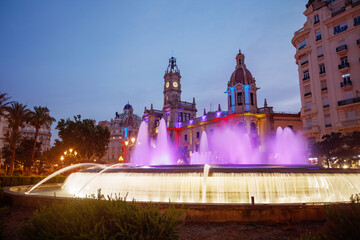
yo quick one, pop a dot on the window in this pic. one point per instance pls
(318, 35)
(240, 62)
(346, 80)
(307, 106)
(344, 63)
(316, 19)
(327, 120)
(306, 75)
(197, 135)
(304, 59)
(185, 137)
(357, 21)
(342, 46)
(302, 44)
(308, 122)
(239, 98)
(230, 100)
(252, 98)
(340, 28)
(351, 115)
(348, 95)
(307, 91)
(320, 52)
(322, 68)
(325, 102)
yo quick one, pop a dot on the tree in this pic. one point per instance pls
(88, 140)
(3, 102)
(24, 151)
(337, 148)
(17, 114)
(38, 118)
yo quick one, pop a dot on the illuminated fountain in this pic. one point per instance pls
(227, 169)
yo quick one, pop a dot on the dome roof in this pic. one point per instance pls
(241, 75)
(127, 106)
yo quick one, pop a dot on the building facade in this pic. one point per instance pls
(327, 55)
(123, 132)
(27, 132)
(185, 128)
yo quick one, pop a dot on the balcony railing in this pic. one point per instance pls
(341, 48)
(322, 71)
(306, 78)
(305, 62)
(324, 89)
(307, 94)
(318, 37)
(328, 125)
(301, 47)
(326, 106)
(321, 55)
(346, 83)
(348, 101)
(344, 65)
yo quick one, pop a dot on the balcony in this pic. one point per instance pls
(326, 106)
(324, 89)
(318, 37)
(322, 71)
(351, 123)
(328, 125)
(342, 48)
(306, 78)
(344, 65)
(307, 94)
(316, 21)
(301, 47)
(346, 83)
(320, 56)
(348, 101)
(304, 63)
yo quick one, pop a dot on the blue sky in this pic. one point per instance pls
(92, 57)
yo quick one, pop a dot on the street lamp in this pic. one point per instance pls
(68, 153)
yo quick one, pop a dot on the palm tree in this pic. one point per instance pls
(39, 117)
(17, 114)
(3, 102)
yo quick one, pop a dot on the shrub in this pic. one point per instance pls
(343, 221)
(102, 219)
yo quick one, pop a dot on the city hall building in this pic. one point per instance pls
(185, 125)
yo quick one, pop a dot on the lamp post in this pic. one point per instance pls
(129, 144)
(68, 153)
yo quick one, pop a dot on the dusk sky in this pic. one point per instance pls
(92, 57)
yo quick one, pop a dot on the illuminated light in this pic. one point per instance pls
(125, 132)
(132, 139)
(218, 114)
(126, 142)
(191, 121)
(65, 152)
(62, 158)
(75, 153)
(345, 166)
(203, 117)
(70, 150)
(247, 96)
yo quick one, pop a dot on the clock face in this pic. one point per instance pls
(175, 84)
(167, 84)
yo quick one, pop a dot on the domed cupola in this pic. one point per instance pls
(241, 89)
(128, 109)
(241, 74)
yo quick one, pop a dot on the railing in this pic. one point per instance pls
(321, 55)
(301, 47)
(305, 62)
(322, 71)
(344, 65)
(306, 77)
(324, 88)
(341, 48)
(346, 83)
(318, 37)
(307, 94)
(316, 21)
(348, 101)
(326, 106)
(340, 29)
(186, 104)
(328, 125)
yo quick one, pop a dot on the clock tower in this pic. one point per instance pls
(172, 85)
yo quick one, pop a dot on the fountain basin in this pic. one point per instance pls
(224, 184)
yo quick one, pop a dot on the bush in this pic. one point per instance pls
(7, 181)
(102, 219)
